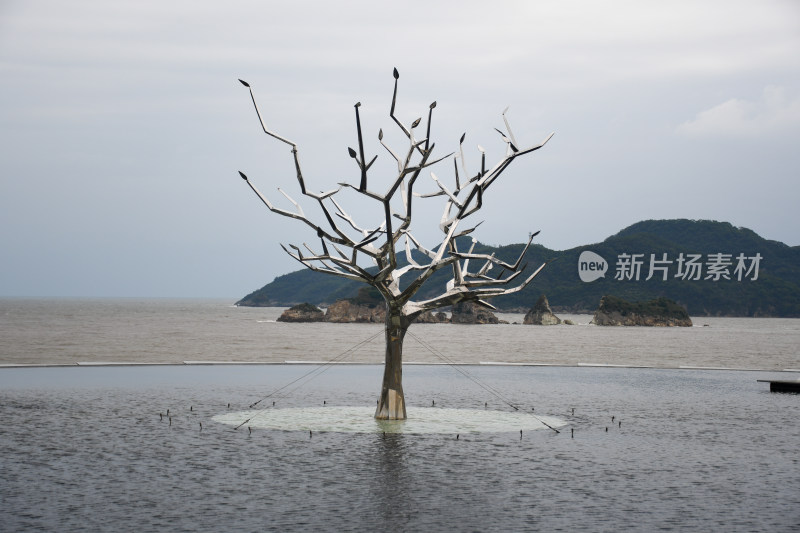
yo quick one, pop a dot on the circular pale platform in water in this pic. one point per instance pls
(361, 420)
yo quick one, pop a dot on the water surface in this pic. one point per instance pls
(109, 448)
(93, 448)
(174, 331)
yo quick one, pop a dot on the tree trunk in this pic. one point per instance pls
(392, 403)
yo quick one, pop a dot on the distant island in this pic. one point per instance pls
(366, 307)
(722, 285)
(659, 312)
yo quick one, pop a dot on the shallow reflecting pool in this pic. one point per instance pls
(361, 420)
(154, 449)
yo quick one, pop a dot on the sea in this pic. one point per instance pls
(197, 415)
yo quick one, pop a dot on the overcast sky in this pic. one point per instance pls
(122, 125)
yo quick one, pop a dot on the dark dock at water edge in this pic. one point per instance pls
(782, 385)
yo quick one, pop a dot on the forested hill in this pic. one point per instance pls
(711, 268)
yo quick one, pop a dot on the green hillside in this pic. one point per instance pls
(774, 292)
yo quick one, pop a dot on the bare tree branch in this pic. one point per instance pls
(460, 203)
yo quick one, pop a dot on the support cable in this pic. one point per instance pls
(491, 390)
(308, 376)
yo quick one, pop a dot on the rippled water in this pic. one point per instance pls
(173, 331)
(123, 448)
(93, 448)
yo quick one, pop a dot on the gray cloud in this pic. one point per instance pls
(775, 113)
(122, 124)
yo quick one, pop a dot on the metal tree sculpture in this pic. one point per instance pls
(344, 254)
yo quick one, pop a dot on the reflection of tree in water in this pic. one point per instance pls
(394, 483)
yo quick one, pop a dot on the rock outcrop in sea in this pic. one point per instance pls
(429, 317)
(302, 313)
(541, 314)
(470, 313)
(347, 311)
(661, 312)
(344, 311)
